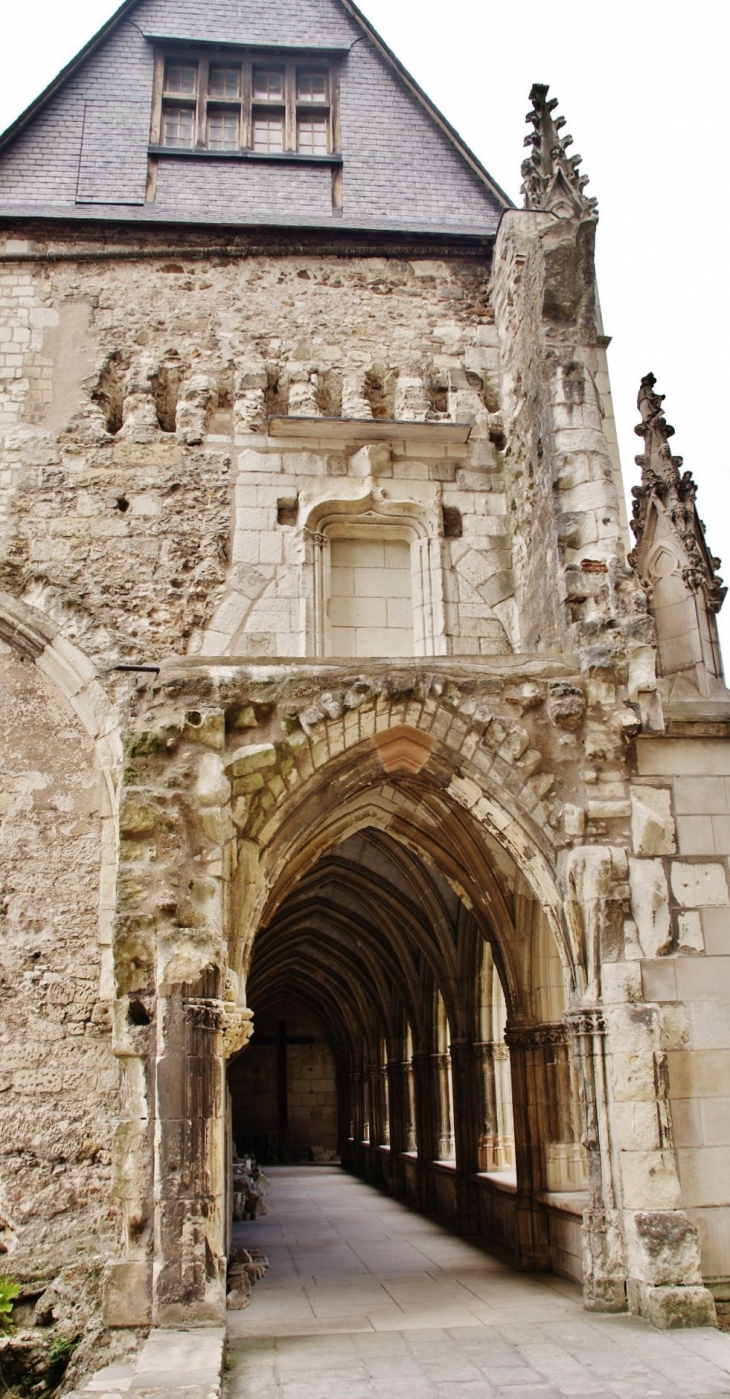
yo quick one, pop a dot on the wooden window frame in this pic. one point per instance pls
(247, 105)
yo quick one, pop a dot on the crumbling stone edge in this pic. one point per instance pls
(185, 1362)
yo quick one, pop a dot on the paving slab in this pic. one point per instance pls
(365, 1299)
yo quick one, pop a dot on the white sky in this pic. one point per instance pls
(643, 87)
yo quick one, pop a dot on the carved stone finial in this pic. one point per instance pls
(663, 483)
(551, 177)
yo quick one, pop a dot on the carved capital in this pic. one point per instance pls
(203, 1012)
(237, 1027)
(589, 1020)
(533, 1036)
(235, 1023)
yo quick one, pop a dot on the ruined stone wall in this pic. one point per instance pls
(59, 1081)
(150, 515)
(136, 399)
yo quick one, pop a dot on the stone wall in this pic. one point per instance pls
(189, 445)
(59, 1082)
(682, 907)
(311, 1097)
(118, 467)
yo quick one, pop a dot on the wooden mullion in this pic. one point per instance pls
(202, 107)
(246, 104)
(335, 133)
(290, 119)
(157, 83)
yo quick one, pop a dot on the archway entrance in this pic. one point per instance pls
(413, 1027)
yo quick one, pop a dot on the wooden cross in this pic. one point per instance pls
(282, 1040)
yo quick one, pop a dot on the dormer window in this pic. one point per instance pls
(245, 106)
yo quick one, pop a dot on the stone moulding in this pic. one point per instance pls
(369, 430)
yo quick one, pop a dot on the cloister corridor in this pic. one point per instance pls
(367, 1299)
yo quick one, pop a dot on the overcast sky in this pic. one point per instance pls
(643, 86)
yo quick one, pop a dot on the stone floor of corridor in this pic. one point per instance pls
(365, 1299)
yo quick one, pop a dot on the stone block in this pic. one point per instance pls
(687, 1125)
(703, 979)
(632, 1077)
(662, 1248)
(649, 1180)
(695, 835)
(713, 1226)
(700, 796)
(683, 757)
(689, 932)
(705, 1174)
(715, 1115)
(703, 1074)
(652, 825)
(721, 835)
(659, 980)
(128, 1294)
(650, 905)
(674, 1307)
(710, 1024)
(716, 929)
(699, 885)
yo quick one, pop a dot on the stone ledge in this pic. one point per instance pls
(369, 429)
(184, 1363)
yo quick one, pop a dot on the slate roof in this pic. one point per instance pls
(81, 151)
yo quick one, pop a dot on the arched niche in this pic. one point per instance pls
(374, 577)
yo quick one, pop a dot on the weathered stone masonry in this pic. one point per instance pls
(326, 670)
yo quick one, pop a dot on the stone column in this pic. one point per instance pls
(189, 1275)
(377, 1105)
(426, 1102)
(397, 1071)
(358, 1116)
(376, 1094)
(128, 1283)
(502, 1144)
(344, 1114)
(468, 1065)
(483, 1052)
(384, 1093)
(410, 1107)
(533, 1250)
(604, 1268)
(441, 1072)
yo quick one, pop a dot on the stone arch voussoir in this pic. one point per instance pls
(479, 752)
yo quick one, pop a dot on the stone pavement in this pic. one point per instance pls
(365, 1299)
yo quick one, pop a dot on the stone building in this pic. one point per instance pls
(337, 698)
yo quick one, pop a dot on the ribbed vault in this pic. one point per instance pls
(407, 940)
(365, 939)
